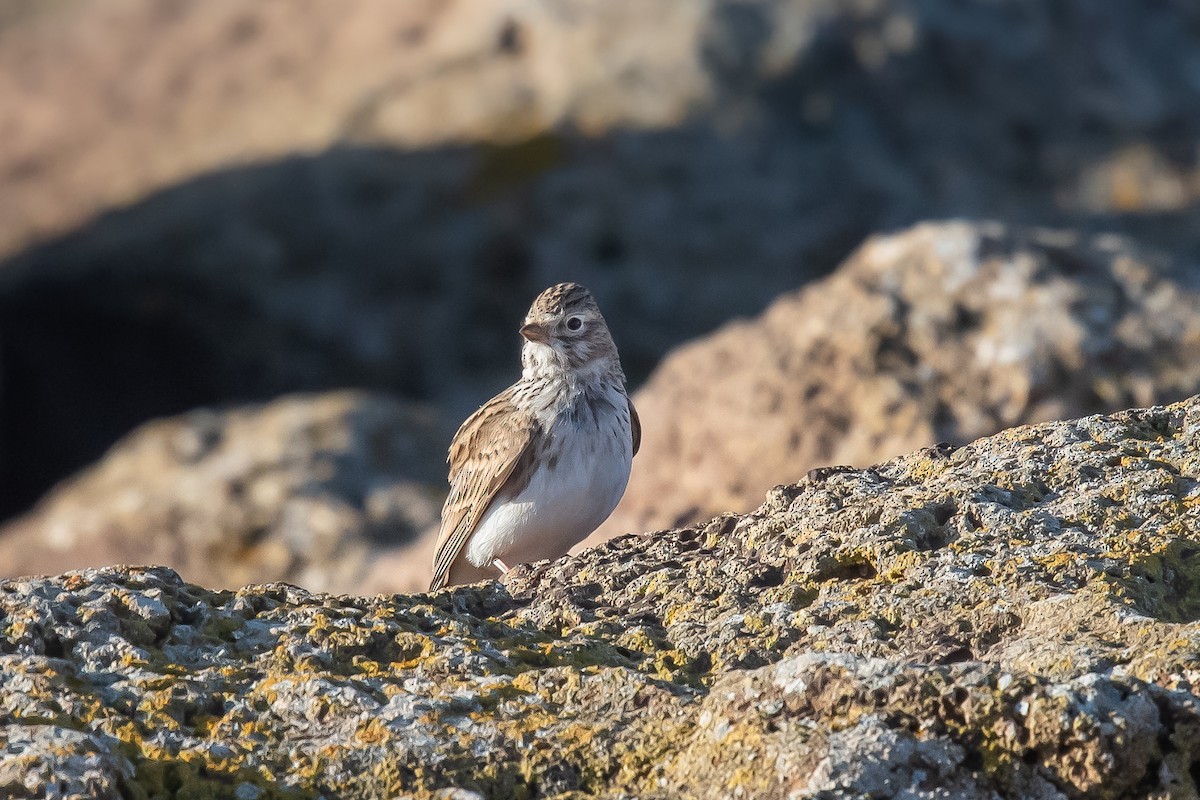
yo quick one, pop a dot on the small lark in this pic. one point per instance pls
(543, 463)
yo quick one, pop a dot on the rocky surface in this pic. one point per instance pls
(369, 194)
(1018, 618)
(308, 488)
(944, 332)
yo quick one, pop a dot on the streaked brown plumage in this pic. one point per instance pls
(547, 457)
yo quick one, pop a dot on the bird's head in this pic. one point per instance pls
(564, 330)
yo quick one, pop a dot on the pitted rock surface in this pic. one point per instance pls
(1018, 618)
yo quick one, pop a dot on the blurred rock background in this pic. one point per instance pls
(210, 204)
(943, 333)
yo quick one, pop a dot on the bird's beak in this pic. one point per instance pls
(535, 332)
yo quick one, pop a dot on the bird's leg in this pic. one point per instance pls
(500, 565)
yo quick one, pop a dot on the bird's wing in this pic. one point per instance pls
(492, 451)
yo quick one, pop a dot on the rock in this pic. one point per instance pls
(1015, 618)
(942, 333)
(50, 762)
(369, 195)
(308, 488)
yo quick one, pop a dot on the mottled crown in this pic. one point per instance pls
(570, 335)
(561, 298)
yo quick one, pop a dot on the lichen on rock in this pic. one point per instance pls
(1015, 618)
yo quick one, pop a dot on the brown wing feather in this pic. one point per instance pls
(489, 453)
(636, 425)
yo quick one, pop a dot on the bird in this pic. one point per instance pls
(539, 466)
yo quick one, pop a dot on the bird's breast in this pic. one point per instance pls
(580, 475)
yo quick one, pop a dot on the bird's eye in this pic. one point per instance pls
(574, 323)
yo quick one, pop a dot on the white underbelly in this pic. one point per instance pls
(560, 506)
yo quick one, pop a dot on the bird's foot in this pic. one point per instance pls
(500, 565)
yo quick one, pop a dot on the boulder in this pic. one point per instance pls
(307, 488)
(1017, 618)
(943, 332)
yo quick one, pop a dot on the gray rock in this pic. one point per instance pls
(48, 762)
(1014, 619)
